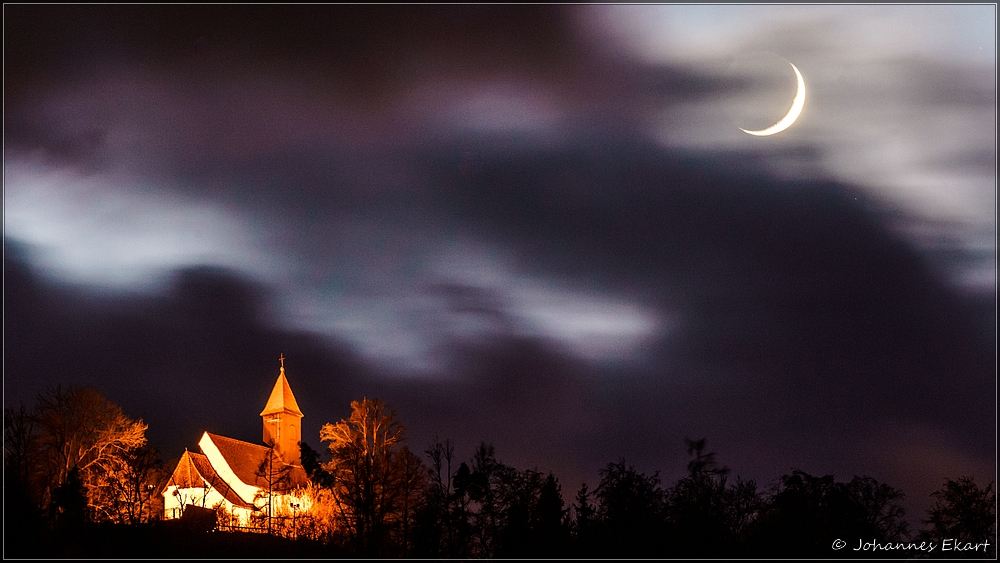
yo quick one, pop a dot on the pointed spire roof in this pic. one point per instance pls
(281, 399)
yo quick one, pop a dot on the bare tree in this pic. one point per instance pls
(80, 429)
(965, 513)
(879, 506)
(415, 479)
(22, 479)
(277, 476)
(368, 468)
(131, 490)
(20, 445)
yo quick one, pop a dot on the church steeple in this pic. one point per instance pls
(283, 420)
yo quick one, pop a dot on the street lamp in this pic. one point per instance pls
(295, 510)
(149, 502)
(180, 503)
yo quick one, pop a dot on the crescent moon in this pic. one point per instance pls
(793, 113)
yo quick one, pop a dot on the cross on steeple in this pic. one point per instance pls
(281, 358)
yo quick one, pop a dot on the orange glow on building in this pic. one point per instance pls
(249, 485)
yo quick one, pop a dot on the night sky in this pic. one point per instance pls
(536, 226)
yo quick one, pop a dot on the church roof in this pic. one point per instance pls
(194, 470)
(251, 465)
(185, 475)
(281, 399)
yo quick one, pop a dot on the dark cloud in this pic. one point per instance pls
(170, 88)
(366, 49)
(799, 280)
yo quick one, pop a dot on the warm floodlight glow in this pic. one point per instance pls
(793, 113)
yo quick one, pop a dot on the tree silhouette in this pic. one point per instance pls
(878, 507)
(69, 502)
(415, 480)
(313, 466)
(485, 487)
(699, 507)
(22, 482)
(744, 505)
(807, 513)
(550, 532)
(966, 513)
(630, 513)
(442, 526)
(20, 445)
(795, 516)
(519, 492)
(583, 525)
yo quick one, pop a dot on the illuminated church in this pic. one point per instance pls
(249, 481)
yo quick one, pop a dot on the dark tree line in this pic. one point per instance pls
(76, 459)
(483, 508)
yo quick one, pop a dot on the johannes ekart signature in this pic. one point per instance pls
(949, 544)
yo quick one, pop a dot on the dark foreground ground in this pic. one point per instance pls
(157, 541)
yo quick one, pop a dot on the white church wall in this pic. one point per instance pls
(208, 447)
(175, 499)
